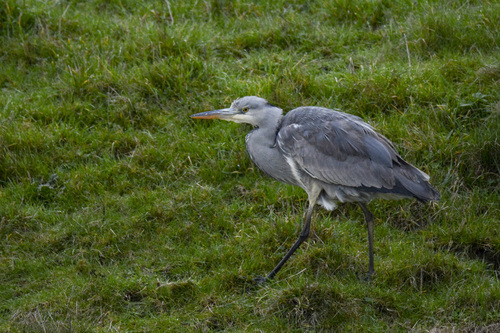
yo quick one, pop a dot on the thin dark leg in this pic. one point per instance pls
(304, 234)
(369, 224)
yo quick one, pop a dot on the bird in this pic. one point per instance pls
(336, 157)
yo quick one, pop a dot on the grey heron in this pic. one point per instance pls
(334, 156)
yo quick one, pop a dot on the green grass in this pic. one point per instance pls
(120, 213)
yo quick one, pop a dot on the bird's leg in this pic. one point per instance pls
(304, 234)
(369, 224)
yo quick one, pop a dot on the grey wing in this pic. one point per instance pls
(338, 148)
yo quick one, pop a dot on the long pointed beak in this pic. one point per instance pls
(216, 114)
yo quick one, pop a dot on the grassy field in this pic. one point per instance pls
(119, 213)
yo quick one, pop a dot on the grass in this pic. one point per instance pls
(120, 213)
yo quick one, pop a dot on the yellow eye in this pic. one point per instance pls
(245, 109)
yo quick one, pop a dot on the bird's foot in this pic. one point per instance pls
(367, 277)
(260, 280)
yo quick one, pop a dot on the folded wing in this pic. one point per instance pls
(339, 148)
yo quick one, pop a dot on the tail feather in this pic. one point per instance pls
(422, 190)
(417, 183)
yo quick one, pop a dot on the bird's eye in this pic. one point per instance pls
(245, 109)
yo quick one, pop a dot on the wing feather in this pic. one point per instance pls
(337, 148)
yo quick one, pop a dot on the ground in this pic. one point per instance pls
(120, 213)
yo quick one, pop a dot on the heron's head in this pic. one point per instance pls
(250, 109)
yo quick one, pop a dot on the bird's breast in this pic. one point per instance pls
(268, 157)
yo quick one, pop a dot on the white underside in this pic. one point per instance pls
(331, 197)
(327, 204)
